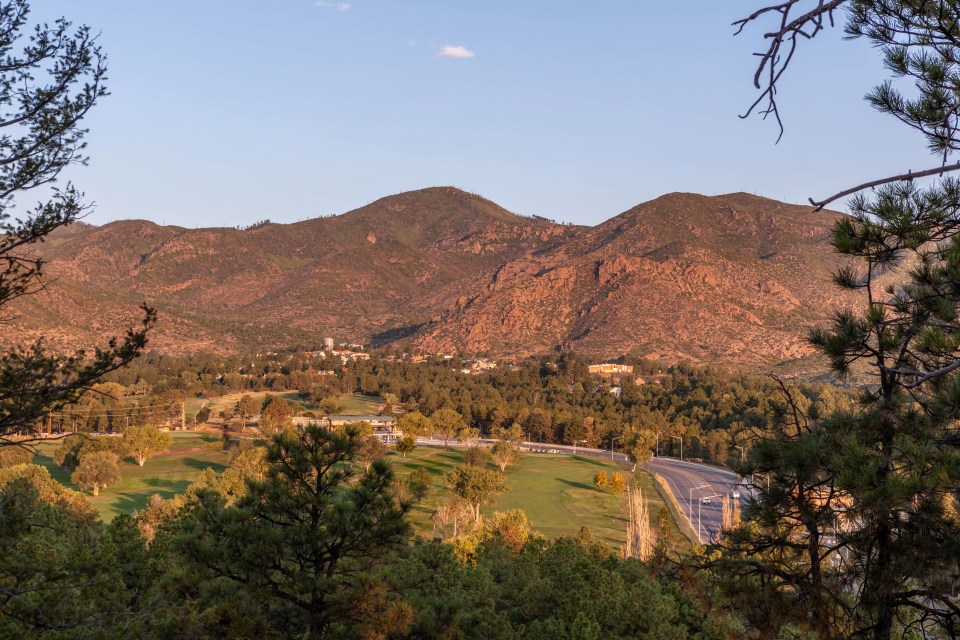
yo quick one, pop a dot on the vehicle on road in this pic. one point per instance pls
(704, 500)
(735, 495)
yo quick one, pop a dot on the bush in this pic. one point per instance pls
(476, 456)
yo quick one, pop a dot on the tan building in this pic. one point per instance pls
(611, 369)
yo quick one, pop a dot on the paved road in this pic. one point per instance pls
(691, 483)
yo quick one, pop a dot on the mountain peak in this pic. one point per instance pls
(735, 277)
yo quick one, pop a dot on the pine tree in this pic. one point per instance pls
(51, 77)
(852, 537)
(300, 542)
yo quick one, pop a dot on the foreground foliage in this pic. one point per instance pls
(857, 533)
(52, 75)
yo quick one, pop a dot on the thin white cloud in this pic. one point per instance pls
(339, 6)
(452, 51)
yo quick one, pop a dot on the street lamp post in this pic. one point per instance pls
(611, 444)
(699, 521)
(690, 502)
(680, 438)
(575, 446)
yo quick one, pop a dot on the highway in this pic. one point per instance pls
(690, 483)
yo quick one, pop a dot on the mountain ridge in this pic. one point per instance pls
(683, 276)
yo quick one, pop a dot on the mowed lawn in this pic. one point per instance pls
(168, 473)
(352, 404)
(555, 491)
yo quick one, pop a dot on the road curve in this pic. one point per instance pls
(690, 483)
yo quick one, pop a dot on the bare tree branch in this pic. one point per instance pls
(909, 175)
(775, 60)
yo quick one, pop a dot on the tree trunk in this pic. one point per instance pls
(96, 489)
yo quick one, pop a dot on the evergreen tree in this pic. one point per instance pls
(872, 490)
(300, 542)
(52, 75)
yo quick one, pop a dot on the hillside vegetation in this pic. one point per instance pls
(734, 278)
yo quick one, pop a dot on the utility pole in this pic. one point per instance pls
(699, 521)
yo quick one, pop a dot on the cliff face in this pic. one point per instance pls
(732, 278)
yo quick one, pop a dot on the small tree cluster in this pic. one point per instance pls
(449, 424)
(609, 482)
(72, 448)
(476, 456)
(276, 417)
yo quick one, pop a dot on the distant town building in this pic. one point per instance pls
(327, 344)
(611, 369)
(479, 366)
(346, 355)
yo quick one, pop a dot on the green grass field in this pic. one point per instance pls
(352, 404)
(168, 474)
(555, 491)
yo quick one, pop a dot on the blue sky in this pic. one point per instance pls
(224, 113)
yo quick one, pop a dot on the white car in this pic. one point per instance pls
(735, 495)
(705, 501)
